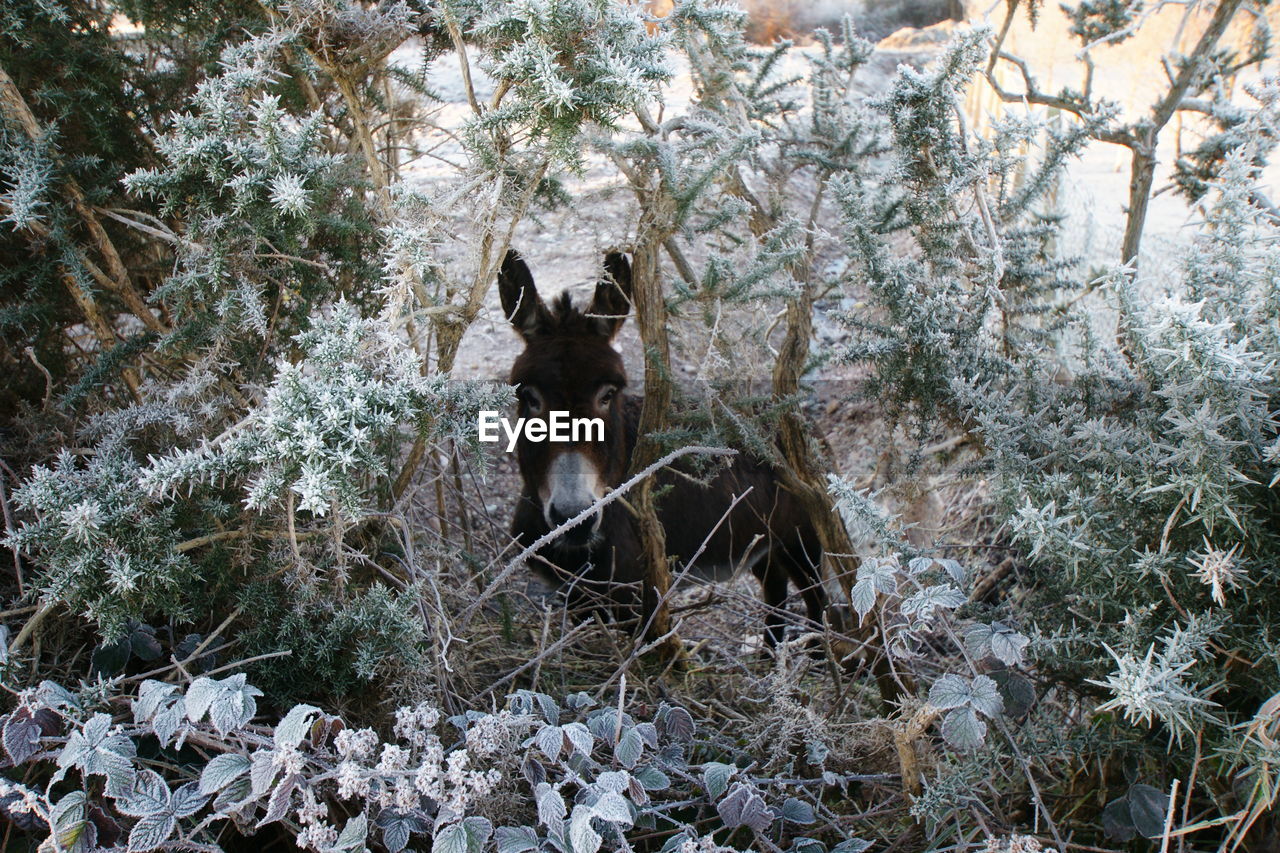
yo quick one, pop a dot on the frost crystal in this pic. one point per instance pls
(1217, 569)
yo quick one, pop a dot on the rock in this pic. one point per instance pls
(914, 38)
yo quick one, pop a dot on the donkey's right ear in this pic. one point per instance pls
(612, 300)
(520, 301)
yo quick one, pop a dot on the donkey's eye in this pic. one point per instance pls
(606, 396)
(532, 399)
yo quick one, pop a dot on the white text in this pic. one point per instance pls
(557, 426)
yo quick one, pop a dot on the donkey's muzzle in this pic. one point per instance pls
(578, 536)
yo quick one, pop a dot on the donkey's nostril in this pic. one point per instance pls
(558, 515)
(581, 532)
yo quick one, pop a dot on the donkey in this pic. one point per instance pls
(569, 364)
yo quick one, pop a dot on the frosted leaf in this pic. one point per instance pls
(962, 729)
(931, 598)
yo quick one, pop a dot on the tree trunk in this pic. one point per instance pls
(804, 477)
(652, 321)
(1142, 174)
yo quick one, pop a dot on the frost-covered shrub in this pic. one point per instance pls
(1128, 427)
(274, 220)
(533, 776)
(975, 289)
(108, 533)
(329, 422)
(88, 99)
(297, 305)
(106, 549)
(1144, 486)
(567, 63)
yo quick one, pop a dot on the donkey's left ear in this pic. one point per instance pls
(612, 301)
(520, 301)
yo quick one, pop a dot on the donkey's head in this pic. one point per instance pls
(569, 365)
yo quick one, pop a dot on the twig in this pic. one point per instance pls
(280, 654)
(1032, 95)
(173, 664)
(1030, 777)
(464, 64)
(280, 256)
(166, 235)
(622, 699)
(209, 539)
(636, 654)
(199, 650)
(14, 104)
(48, 379)
(293, 535)
(1168, 816)
(30, 626)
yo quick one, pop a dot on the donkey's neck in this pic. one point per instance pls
(631, 405)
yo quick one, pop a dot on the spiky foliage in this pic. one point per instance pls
(1134, 456)
(1096, 19)
(273, 218)
(106, 549)
(266, 224)
(82, 92)
(977, 288)
(1145, 481)
(568, 63)
(327, 422)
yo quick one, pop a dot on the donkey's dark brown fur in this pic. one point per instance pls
(569, 364)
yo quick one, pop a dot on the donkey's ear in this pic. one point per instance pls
(520, 301)
(612, 301)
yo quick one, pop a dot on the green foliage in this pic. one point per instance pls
(1097, 19)
(980, 283)
(338, 646)
(262, 225)
(1198, 170)
(327, 422)
(81, 89)
(1152, 471)
(1133, 463)
(107, 532)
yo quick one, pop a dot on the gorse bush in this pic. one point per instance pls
(569, 64)
(1142, 487)
(274, 220)
(268, 404)
(979, 287)
(106, 549)
(80, 129)
(327, 421)
(1132, 459)
(110, 537)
